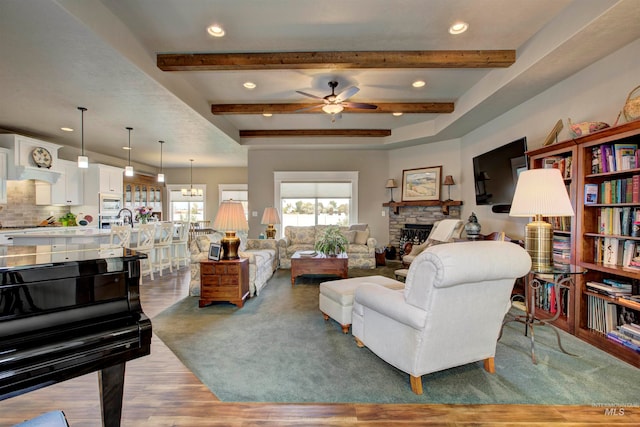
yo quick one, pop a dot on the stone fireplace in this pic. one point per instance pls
(415, 222)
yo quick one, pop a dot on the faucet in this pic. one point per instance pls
(124, 219)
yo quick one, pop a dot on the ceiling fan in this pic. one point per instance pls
(334, 104)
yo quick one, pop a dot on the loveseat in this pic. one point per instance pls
(361, 249)
(262, 254)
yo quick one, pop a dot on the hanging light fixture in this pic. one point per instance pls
(83, 161)
(192, 192)
(161, 175)
(128, 171)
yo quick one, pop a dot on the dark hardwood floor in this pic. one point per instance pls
(160, 391)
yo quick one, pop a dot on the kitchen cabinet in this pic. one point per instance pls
(67, 190)
(99, 178)
(23, 164)
(110, 179)
(4, 154)
(143, 190)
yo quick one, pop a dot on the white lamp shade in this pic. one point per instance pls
(160, 177)
(270, 216)
(230, 217)
(541, 192)
(128, 171)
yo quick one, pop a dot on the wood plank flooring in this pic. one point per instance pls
(160, 391)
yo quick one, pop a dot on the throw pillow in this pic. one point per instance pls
(358, 227)
(350, 235)
(361, 237)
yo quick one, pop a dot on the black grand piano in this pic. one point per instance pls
(69, 310)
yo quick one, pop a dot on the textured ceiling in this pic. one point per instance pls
(57, 55)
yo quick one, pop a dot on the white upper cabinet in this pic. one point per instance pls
(30, 158)
(4, 154)
(110, 179)
(67, 190)
(100, 178)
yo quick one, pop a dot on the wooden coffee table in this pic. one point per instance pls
(319, 264)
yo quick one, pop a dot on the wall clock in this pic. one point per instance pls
(41, 157)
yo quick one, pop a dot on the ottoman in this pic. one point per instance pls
(336, 297)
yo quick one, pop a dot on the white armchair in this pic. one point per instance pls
(450, 312)
(443, 231)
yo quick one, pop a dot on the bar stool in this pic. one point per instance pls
(180, 243)
(120, 236)
(146, 238)
(162, 247)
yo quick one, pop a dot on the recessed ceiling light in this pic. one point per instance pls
(249, 85)
(458, 27)
(126, 148)
(66, 129)
(397, 114)
(267, 114)
(418, 83)
(215, 30)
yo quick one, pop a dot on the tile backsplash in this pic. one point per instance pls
(21, 209)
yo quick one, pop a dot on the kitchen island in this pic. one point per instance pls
(61, 236)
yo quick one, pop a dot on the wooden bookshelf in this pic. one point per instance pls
(590, 231)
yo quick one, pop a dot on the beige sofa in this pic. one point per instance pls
(361, 250)
(262, 254)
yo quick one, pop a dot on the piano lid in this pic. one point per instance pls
(14, 257)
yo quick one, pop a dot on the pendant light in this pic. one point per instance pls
(192, 192)
(161, 175)
(83, 161)
(128, 171)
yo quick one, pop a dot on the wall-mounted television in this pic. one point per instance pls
(496, 174)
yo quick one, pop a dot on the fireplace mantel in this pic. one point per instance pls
(443, 203)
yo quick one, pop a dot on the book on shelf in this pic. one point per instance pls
(596, 167)
(563, 164)
(590, 194)
(619, 338)
(633, 298)
(625, 156)
(608, 290)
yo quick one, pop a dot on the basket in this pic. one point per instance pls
(585, 128)
(631, 108)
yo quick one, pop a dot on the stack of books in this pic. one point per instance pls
(610, 287)
(627, 334)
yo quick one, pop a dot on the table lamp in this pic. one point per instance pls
(270, 217)
(540, 192)
(448, 181)
(391, 184)
(230, 219)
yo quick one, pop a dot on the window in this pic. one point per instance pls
(317, 198)
(237, 192)
(186, 208)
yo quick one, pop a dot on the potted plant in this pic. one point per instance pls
(332, 242)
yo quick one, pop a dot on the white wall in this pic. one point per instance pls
(596, 93)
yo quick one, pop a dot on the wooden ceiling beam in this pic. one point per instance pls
(295, 108)
(335, 60)
(275, 133)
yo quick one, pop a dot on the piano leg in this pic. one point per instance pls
(111, 392)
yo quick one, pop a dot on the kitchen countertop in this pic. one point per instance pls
(62, 232)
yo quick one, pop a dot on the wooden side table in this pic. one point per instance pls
(224, 281)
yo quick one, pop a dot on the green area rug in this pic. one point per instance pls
(278, 348)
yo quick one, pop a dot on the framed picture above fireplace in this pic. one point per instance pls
(421, 184)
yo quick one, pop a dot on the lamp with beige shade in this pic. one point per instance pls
(269, 218)
(230, 219)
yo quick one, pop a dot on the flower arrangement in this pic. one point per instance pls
(143, 213)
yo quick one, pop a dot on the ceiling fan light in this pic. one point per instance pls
(215, 30)
(332, 108)
(418, 83)
(249, 85)
(458, 27)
